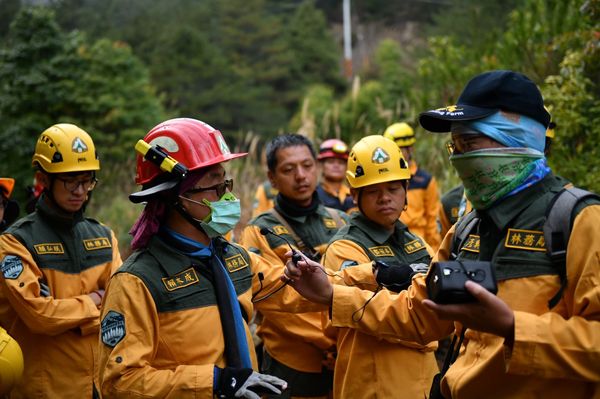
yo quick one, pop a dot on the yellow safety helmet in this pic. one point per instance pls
(401, 133)
(551, 125)
(65, 148)
(373, 160)
(11, 362)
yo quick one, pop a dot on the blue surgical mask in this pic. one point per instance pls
(224, 215)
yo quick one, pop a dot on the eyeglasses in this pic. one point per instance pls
(73, 184)
(468, 143)
(220, 188)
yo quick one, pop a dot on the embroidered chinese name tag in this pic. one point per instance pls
(235, 263)
(413, 246)
(528, 240)
(52, 248)
(96, 243)
(472, 244)
(180, 280)
(383, 250)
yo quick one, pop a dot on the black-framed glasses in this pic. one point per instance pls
(220, 188)
(73, 184)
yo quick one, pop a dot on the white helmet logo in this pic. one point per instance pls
(380, 156)
(78, 145)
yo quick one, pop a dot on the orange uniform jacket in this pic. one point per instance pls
(161, 330)
(58, 333)
(368, 366)
(555, 354)
(423, 207)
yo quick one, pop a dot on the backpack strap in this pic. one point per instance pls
(301, 244)
(557, 230)
(335, 216)
(461, 232)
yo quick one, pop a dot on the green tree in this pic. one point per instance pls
(49, 76)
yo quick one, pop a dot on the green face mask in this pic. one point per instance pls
(488, 175)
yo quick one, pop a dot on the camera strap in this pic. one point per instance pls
(461, 233)
(435, 391)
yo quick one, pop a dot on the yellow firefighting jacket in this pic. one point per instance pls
(263, 198)
(161, 333)
(555, 353)
(423, 206)
(303, 330)
(367, 366)
(57, 326)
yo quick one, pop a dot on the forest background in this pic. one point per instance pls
(257, 68)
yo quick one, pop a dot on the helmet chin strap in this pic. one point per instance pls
(181, 210)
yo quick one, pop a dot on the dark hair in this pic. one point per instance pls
(285, 141)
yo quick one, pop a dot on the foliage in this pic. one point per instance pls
(574, 100)
(241, 65)
(49, 76)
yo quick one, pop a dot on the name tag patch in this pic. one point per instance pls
(280, 230)
(113, 328)
(235, 263)
(528, 240)
(181, 280)
(413, 246)
(380, 251)
(329, 223)
(53, 248)
(96, 243)
(472, 244)
(11, 267)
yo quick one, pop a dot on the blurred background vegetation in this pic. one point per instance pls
(257, 68)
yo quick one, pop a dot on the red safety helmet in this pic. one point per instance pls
(191, 142)
(333, 148)
(6, 186)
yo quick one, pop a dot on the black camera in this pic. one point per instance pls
(446, 280)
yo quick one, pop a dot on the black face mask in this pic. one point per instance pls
(11, 213)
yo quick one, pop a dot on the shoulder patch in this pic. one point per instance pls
(112, 328)
(472, 244)
(96, 243)
(383, 250)
(529, 240)
(11, 267)
(329, 223)
(53, 248)
(414, 246)
(279, 229)
(235, 263)
(348, 263)
(181, 280)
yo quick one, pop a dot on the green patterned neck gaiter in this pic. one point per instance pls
(490, 174)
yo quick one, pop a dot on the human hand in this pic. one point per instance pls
(97, 297)
(246, 383)
(309, 278)
(488, 314)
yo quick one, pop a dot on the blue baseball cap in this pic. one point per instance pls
(486, 94)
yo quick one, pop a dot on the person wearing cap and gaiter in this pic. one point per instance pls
(539, 337)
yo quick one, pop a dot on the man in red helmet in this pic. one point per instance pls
(332, 190)
(174, 322)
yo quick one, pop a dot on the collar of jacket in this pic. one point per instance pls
(290, 210)
(375, 231)
(507, 209)
(55, 215)
(171, 259)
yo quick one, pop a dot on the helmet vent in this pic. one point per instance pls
(57, 157)
(403, 164)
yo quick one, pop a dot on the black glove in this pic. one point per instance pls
(246, 383)
(398, 277)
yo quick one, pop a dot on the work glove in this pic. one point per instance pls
(245, 383)
(397, 277)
